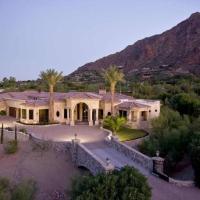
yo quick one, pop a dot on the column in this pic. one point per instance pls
(90, 118)
(81, 112)
(129, 115)
(97, 117)
(72, 117)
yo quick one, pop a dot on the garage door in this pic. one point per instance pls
(12, 112)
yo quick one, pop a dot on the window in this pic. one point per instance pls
(109, 114)
(123, 113)
(149, 110)
(65, 113)
(23, 113)
(155, 110)
(58, 114)
(100, 113)
(144, 115)
(31, 114)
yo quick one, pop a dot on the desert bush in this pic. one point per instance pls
(23, 130)
(195, 157)
(5, 189)
(24, 191)
(171, 135)
(127, 184)
(11, 147)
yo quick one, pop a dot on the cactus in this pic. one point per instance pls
(2, 134)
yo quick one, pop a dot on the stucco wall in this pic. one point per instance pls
(2, 105)
(59, 107)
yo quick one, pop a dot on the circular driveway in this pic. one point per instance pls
(66, 133)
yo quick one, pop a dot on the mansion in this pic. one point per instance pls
(32, 107)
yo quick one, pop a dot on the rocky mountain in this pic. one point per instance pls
(175, 51)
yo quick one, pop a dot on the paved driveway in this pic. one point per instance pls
(58, 132)
(66, 132)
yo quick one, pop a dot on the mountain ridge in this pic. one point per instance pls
(175, 51)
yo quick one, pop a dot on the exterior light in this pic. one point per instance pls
(107, 161)
(157, 153)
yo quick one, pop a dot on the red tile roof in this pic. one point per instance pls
(131, 104)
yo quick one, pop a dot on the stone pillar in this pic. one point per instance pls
(129, 115)
(81, 112)
(72, 117)
(90, 117)
(74, 149)
(97, 117)
(17, 113)
(158, 164)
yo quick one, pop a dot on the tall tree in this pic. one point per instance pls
(113, 75)
(51, 77)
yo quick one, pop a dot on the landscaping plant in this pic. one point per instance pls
(11, 147)
(112, 76)
(51, 77)
(114, 123)
(195, 157)
(127, 184)
(24, 190)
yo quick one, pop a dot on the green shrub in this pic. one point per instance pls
(11, 147)
(127, 184)
(4, 189)
(195, 158)
(24, 191)
(2, 113)
(23, 130)
(171, 134)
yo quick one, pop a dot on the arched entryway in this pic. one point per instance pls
(81, 113)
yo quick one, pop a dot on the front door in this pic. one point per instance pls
(85, 112)
(43, 116)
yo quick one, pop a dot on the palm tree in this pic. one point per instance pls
(114, 123)
(113, 75)
(51, 77)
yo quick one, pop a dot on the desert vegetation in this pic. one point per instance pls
(24, 190)
(127, 183)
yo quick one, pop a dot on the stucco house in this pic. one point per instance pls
(32, 107)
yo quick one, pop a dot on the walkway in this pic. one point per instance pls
(161, 190)
(103, 151)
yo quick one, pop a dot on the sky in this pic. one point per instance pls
(65, 34)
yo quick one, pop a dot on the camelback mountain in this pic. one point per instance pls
(175, 51)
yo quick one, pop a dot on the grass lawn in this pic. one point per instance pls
(126, 134)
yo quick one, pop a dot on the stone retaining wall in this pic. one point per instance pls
(87, 159)
(81, 156)
(57, 146)
(10, 135)
(131, 153)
